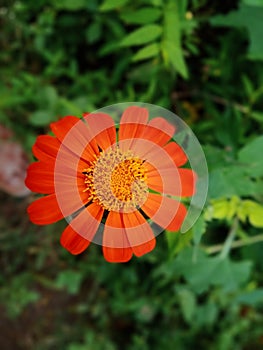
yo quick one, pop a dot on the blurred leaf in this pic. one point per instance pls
(49, 96)
(156, 2)
(93, 341)
(216, 157)
(178, 241)
(69, 107)
(248, 85)
(253, 298)
(249, 17)
(94, 32)
(108, 5)
(206, 314)
(41, 118)
(257, 115)
(148, 51)
(70, 5)
(187, 302)
(142, 35)
(253, 2)
(226, 209)
(174, 55)
(211, 271)
(223, 208)
(70, 280)
(254, 211)
(198, 229)
(172, 28)
(142, 16)
(231, 181)
(16, 295)
(8, 99)
(251, 156)
(171, 46)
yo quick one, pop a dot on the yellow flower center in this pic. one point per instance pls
(117, 180)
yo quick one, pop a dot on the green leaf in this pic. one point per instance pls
(233, 205)
(253, 2)
(70, 280)
(223, 208)
(251, 155)
(70, 5)
(242, 212)
(108, 5)
(49, 97)
(257, 115)
(231, 181)
(187, 301)
(41, 118)
(178, 241)
(93, 32)
(211, 271)
(142, 16)
(206, 314)
(248, 85)
(158, 3)
(198, 230)
(142, 35)
(215, 156)
(252, 298)
(172, 25)
(172, 48)
(173, 54)
(220, 209)
(17, 294)
(146, 52)
(69, 107)
(249, 17)
(254, 212)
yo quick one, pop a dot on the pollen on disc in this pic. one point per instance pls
(117, 180)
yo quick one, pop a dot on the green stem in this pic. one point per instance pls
(230, 239)
(237, 244)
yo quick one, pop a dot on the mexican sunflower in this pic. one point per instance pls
(120, 182)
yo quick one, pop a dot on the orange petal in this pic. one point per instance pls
(166, 212)
(116, 247)
(69, 183)
(82, 229)
(45, 210)
(139, 233)
(69, 195)
(132, 125)
(133, 115)
(180, 182)
(102, 126)
(176, 153)
(161, 124)
(46, 147)
(73, 242)
(152, 140)
(75, 137)
(62, 126)
(88, 221)
(159, 132)
(40, 178)
(150, 146)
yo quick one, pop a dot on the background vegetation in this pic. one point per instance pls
(201, 59)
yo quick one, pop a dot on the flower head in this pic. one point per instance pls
(114, 184)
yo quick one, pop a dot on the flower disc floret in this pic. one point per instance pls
(117, 181)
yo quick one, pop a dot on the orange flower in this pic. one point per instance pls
(112, 186)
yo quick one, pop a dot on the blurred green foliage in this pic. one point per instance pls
(201, 59)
